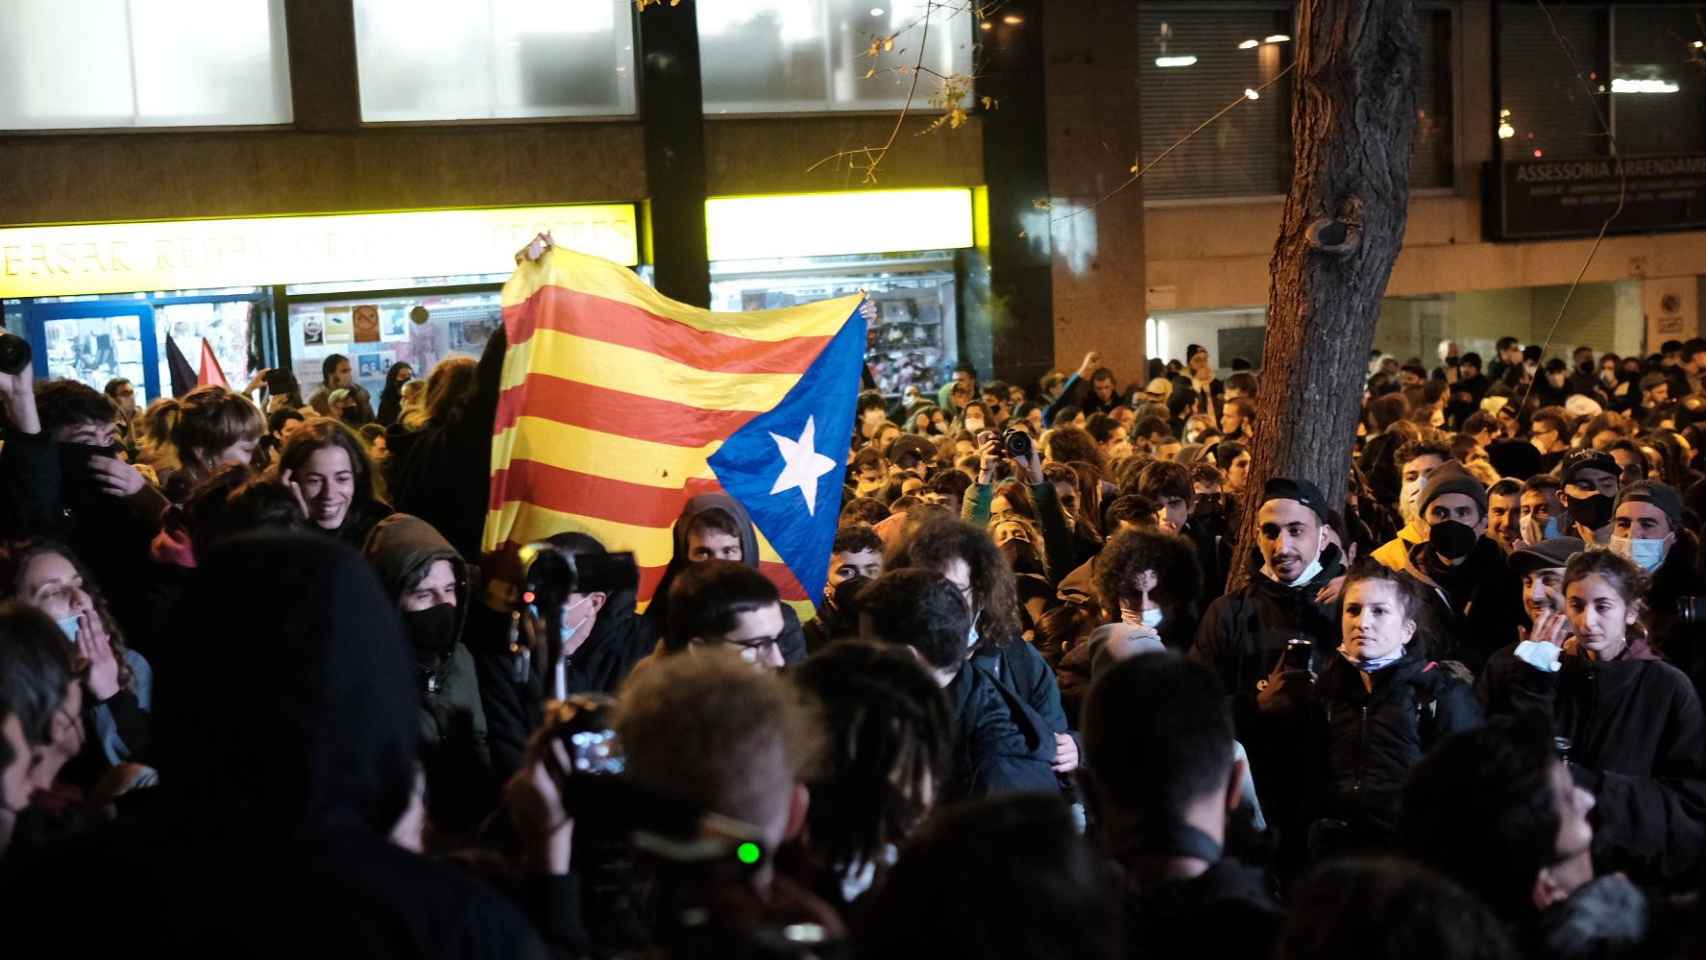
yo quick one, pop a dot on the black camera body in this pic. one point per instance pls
(1019, 444)
(15, 353)
(549, 574)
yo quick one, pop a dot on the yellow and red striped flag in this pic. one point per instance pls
(619, 404)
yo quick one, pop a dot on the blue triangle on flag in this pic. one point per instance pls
(788, 466)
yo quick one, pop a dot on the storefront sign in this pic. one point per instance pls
(257, 251)
(833, 224)
(1573, 197)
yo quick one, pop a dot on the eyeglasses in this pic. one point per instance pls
(756, 649)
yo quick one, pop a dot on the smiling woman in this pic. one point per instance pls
(327, 468)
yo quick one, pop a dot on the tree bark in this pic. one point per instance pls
(1353, 120)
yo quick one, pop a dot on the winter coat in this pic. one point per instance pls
(1680, 642)
(997, 744)
(454, 749)
(1637, 742)
(1370, 739)
(1243, 633)
(793, 639)
(1475, 607)
(1226, 911)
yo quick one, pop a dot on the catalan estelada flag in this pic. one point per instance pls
(619, 404)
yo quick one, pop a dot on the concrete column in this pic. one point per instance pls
(672, 104)
(1097, 256)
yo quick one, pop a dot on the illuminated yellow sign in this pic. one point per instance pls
(828, 224)
(257, 251)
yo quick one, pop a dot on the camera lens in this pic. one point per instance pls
(15, 353)
(1691, 609)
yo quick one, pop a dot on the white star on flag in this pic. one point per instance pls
(802, 465)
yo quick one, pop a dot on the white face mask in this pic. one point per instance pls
(567, 633)
(873, 417)
(974, 426)
(1646, 554)
(1150, 618)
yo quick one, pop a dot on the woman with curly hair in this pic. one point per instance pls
(968, 558)
(118, 681)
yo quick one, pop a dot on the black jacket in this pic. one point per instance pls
(1637, 742)
(1370, 739)
(1475, 607)
(292, 752)
(1225, 912)
(1681, 642)
(1243, 633)
(998, 746)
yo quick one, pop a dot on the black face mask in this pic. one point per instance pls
(1586, 366)
(433, 630)
(1592, 512)
(1452, 540)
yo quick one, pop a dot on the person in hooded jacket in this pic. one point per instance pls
(429, 583)
(715, 526)
(310, 783)
(1367, 714)
(855, 559)
(391, 398)
(1647, 527)
(1475, 595)
(1629, 723)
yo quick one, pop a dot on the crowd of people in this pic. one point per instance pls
(258, 697)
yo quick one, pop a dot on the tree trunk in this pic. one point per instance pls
(1353, 119)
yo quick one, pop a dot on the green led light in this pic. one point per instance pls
(748, 853)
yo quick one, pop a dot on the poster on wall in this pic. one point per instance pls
(366, 318)
(339, 326)
(372, 366)
(393, 324)
(313, 330)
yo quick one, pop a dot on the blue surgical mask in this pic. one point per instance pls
(1150, 618)
(68, 626)
(1644, 553)
(566, 632)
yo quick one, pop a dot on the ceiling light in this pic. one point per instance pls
(877, 11)
(1632, 85)
(1184, 61)
(1251, 94)
(1249, 44)
(986, 25)
(1506, 131)
(1012, 19)
(1276, 38)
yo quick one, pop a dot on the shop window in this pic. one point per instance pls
(1658, 86)
(812, 56)
(426, 60)
(138, 63)
(95, 349)
(227, 326)
(1544, 111)
(1195, 58)
(375, 331)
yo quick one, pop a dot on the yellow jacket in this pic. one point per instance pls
(1395, 554)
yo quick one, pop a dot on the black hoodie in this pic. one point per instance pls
(286, 733)
(454, 751)
(793, 640)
